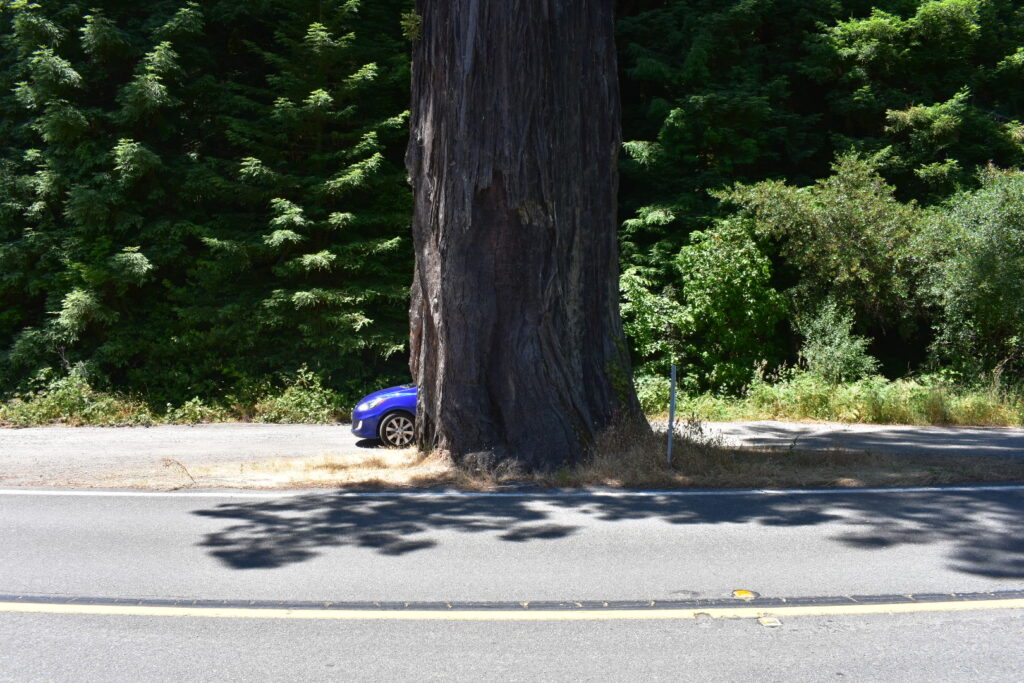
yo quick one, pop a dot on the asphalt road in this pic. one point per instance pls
(400, 547)
(983, 646)
(55, 456)
(907, 439)
(328, 546)
(103, 456)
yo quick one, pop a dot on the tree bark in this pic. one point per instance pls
(516, 342)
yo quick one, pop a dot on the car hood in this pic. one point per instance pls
(405, 389)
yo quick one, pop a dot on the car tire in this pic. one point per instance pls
(397, 430)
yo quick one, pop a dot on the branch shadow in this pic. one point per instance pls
(982, 526)
(961, 441)
(281, 532)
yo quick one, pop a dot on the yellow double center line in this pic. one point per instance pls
(718, 612)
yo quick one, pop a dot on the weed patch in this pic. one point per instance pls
(927, 400)
(303, 401)
(72, 401)
(194, 411)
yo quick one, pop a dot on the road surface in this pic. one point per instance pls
(514, 547)
(69, 545)
(983, 646)
(518, 547)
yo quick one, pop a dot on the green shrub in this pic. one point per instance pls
(650, 318)
(194, 411)
(978, 281)
(304, 400)
(830, 349)
(847, 235)
(72, 401)
(717, 320)
(729, 308)
(653, 393)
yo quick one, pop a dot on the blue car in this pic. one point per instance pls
(388, 415)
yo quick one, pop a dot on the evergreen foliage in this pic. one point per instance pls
(847, 238)
(203, 195)
(837, 127)
(830, 350)
(198, 198)
(721, 322)
(978, 277)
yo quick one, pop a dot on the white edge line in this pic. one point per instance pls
(511, 615)
(606, 493)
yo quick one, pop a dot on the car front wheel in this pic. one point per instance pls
(397, 430)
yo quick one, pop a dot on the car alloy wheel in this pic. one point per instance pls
(397, 430)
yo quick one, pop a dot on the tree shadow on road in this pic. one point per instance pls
(982, 528)
(280, 532)
(961, 441)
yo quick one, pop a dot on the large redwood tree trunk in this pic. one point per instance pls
(516, 341)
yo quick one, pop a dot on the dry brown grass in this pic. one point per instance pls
(384, 467)
(637, 460)
(626, 459)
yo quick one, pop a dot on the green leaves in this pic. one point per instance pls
(186, 22)
(132, 264)
(650, 318)
(847, 236)
(287, 214)
(830, 349)
(977, 278)
(193, 195)
(720, 322)
(908, 99)
(51, 78)
(322, 260)
(280, 238)
(132, 160)
(730, 308)
(148, 91)
(101, 37)
(932, 87)
(78, 310)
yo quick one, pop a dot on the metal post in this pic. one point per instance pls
(671, 412)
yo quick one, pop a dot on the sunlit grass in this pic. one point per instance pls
(72, 401)
(874, 400)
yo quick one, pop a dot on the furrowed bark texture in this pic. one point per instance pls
(516, 341)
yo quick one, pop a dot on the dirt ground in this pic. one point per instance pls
(271, 456)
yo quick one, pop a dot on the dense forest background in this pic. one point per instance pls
(200, 199)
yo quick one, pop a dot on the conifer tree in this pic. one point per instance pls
(517, 345)
(206, 194)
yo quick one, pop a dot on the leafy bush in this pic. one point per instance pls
(719, 322)
(304, 400)
(653, 393)
(194, 411)
(72, 401)
(830, 349)
(729, 308)
(650, 318)
(847, 236)
(978, 282)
